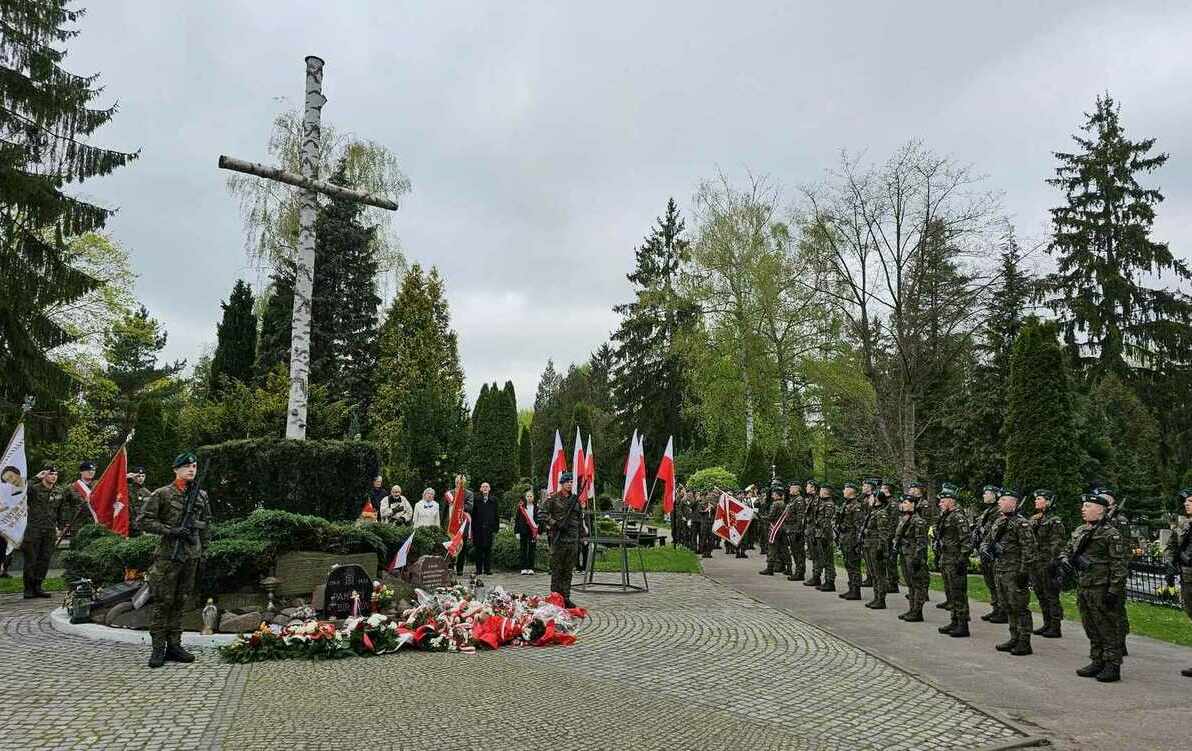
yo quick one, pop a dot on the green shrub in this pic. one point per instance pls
(137, 552)
(712, 478)
(90, 534)
(233, 564)
(325, 478)
(282, 529)
(507, 552)
(99, 561)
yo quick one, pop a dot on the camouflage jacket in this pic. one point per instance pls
(910, 538)
(811, 528)
(797, 518)
(1179, 550)
(1015, 543)
(44, 507)
(1102, 560)
(564, 517)
(849, 520)
(1122, 525)
(825, 518)
(952, 539)
(1050, 536)
(73, 507)
(877, 529)
(163, 509)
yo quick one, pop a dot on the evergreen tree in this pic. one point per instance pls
(493, 442)
(507, 432)
(131, 349)
(419, 417)
(525, 455)
(343, 338)
(45, 118)
(1103, 249)
(156, 442)
(649, 389)
(1132, 436)
(757, 468)
(273, 345)
(1039, 428)
(236, 339)
(791, 463)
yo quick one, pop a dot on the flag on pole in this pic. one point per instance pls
(579, 463)
(109, 497)
(732, 519)
(590, 473)
(402, 555)
(666, 473)
(14, 506)
(635, 475)
(558, 465)
(455, 543)
(458, 499)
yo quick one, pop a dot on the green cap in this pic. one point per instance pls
(948, 490)
(185, 458)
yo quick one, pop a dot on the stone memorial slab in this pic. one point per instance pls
(301, 571)
(341, 583)
(430, 572)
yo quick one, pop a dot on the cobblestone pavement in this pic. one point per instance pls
(691, 665)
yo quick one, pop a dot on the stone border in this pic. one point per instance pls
(99, 632)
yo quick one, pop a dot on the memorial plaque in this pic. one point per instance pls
(430, 572)
(341, 583)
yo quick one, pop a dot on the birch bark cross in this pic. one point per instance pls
(311, 186)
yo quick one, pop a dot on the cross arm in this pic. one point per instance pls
(319, 186)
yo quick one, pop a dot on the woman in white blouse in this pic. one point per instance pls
(426, 511)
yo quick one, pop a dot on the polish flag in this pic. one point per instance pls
(666, 473)
(635, 475)
(109, 497)
(455, 543)
(458, 499)
(558, 465)
(590, 473)
(578, 461)
(402, 555)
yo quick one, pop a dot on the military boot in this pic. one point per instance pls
(175, 652)
(794, 577)
(1110, 674)
(915, 614)
(945, 605)
(766, 572)
(1186, 672)
(961, 629)
(828, 586)
(1006, 646)
(854, 588)
(814, 581)
(158, 657)
(39, 592)
(997, 616)
(1051, 630)
(947, 629)
(1092, 670)
(877, 604)
(1022, 647)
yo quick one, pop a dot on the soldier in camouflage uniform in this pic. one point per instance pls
(910, 544)
(952, 548)
(43, 500)
(868, 486)
(1118, 519)
(761, 510)
(175, 559)
(981, 530)
(1011, 550)
(848, 529)
(705, 512)
(825, 517)
(1096, 556)
(887, 489)
(1179, 558)
(877, 532)
(773, 529)
(796, 531)
(1050, 539)
(811, 532)
(75, 509)
(564, 521)
(137, 495)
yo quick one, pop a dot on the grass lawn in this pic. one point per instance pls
(16, 584)
(1164, 624)
(657, 559)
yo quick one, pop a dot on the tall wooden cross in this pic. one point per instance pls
(311, 185)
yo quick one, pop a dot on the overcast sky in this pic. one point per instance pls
(542, 139)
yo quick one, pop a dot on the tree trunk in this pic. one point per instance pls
(305, 261)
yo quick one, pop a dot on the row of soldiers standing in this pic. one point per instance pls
(889, 536)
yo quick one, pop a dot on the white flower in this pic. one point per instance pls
(351, 623)
(376, 619)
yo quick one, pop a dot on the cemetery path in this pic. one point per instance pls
(692, 664)
(1148, 709)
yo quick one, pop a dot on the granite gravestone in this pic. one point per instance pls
(430, 572)
(341, 583)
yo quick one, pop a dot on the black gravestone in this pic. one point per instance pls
(430, 572)
(341, 583)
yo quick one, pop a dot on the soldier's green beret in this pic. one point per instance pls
(1108, 490)
(184, 459)
(1011, 492)
(566, 477)
(991, 489)
(917, 484)
(48, 467)
(851, 484)
(811, 482)
(1184, 494)
(874, 481)
(827, 486)
(1048, 494)
(948, 490)
(777, 485)
(1096, 498)
(907, 498)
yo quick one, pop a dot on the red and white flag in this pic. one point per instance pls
(402, 555)
(666, 473)
(458, 499)
(634, 494)
(589, 473)
(578, 463)
(732, 519)
(108, 500)
(456, 542)
(558, 465)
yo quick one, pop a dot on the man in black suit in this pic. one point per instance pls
(484, 527)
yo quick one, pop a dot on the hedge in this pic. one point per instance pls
(712, 478)
(329, 479)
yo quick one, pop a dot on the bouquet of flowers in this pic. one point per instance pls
(382, 597)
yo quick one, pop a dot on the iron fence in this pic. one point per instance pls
(1147, 582)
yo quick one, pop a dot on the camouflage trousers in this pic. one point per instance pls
(851, 552)
(36, 549)
(891, 573)
(1047, 593)
(995, 596)
(778, 557)
(955, 586)
(875, 563)
(1101, 626)
(171, 582)
(798, 552)
(827, 560)
(562, 566)
(1016, 604)
(918, 578)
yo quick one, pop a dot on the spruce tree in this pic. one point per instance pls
(45, 118)
(525, 455)
(649, 388)
(1131, 434)
(756, 469)
(236, 339)
(786, 468)
(1102, 245)
(273, 345)
(507, 433)
(1039, 428)
(480, 437)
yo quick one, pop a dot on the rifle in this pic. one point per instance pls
(556, 532)
(1067, 566)
(187, 525)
